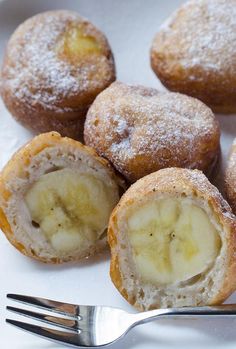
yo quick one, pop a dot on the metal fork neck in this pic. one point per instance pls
(207, 311)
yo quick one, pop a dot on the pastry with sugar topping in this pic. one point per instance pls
(195, 53)
(230, 177)
(141, 130)
(173, 242)
(55, 65)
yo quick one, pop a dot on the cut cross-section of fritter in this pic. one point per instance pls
(172, 240)
(56, 196)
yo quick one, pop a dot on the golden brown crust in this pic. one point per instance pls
(48, 91)
(17, 167)
(141, 130)
(189, 183)
(230, 178)
(193, 53)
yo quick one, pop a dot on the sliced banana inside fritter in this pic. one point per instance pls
(172, 240)
(56, 197)
(70, 207)
(76, 44)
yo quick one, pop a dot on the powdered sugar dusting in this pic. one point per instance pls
(36, 75)
(121, 124)
(128, 123)
(206, 31)
(200, 182)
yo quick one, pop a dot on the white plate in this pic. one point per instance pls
(130, 27)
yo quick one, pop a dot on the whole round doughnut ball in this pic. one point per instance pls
(141, 130)
(195, 53)
(55, 65)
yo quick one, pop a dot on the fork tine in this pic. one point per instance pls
(52, 320)
(68, 338)
(50, 305)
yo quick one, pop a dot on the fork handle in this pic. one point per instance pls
(207, 311)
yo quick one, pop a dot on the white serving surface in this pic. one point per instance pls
(130, 26)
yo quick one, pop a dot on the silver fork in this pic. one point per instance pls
(94, 326)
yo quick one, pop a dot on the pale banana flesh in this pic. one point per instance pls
(74, 45)
(70, 208)
(172, 240)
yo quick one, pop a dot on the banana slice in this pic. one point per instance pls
(70, 207)
(172, 240)
(56, 196)
(76, 44)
